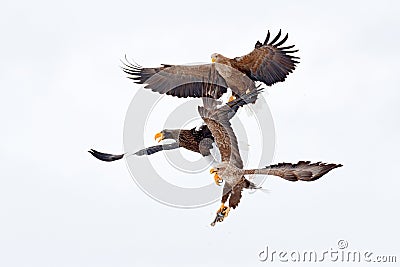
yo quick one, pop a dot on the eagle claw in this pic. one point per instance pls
(222, 213)
(218, 180)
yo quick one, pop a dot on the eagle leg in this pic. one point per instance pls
(222, 208)
(231, 98)
(226, 212)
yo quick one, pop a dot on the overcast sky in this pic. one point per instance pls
(63, 93)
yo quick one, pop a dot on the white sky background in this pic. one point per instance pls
(63, 93)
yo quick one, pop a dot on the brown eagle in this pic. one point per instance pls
(196, 140)
(231, 169)
(268, 63)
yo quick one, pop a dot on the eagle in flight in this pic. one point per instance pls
(196, 140)
(230, 169)
(268, 63)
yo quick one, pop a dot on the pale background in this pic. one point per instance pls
(63, 93)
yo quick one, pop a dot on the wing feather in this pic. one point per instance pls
(190, 80)
(267, 38)
(225, 139)
(303, 170)
(236, 191)
(268, 63)
(276, 38)
(218, 122)
(145, 151)
(177, 80)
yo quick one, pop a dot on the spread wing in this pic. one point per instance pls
(303, 170)
(269, 62)
(105, 156)
(190, 80)
(154, 149)
(145, 151)
(218, 121)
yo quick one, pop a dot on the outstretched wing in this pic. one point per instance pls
(154, 149)
(303, 170)
(269, 62)
(105, 156)
(190, 80)
(145, 151)
(217, 120)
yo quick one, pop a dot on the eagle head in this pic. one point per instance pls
(217, 58)
(167, 134)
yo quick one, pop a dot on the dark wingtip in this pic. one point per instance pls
(267, 38)
(326, 168)
(104, 156)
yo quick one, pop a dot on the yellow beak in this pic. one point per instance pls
(212, 60)
(212, 170)
(158, 137)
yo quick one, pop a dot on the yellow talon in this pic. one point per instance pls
(158, 137)
(223, 210)
(217, 179)
(231, 98)
(226, 212)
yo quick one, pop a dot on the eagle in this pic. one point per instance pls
(230, 169)
(268, 63)
(197, 140)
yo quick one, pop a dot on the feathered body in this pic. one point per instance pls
(199, 141)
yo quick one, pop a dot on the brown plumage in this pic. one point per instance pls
(190, 80)
(269, 63)
(199, 141)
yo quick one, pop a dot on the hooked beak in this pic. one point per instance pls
(212, 170)
(158, 137)
(212, 59)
